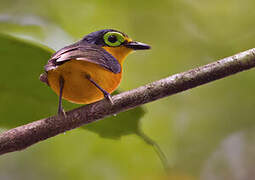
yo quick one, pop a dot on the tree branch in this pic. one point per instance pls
(24, 136)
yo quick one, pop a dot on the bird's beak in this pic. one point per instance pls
(137, 45)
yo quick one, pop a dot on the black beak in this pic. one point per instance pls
(137, 45)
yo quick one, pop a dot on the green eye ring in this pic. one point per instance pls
(114, 39)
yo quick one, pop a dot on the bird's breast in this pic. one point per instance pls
(77, 88)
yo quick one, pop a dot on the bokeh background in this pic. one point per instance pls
(204, 133)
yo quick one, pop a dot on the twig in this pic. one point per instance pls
(24, 136)
(156, 148)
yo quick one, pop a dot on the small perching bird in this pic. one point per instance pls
(91, 68)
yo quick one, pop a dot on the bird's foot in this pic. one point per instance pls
(109, 98)
(61, 112)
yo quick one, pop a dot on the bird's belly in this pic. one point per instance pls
(77, 88)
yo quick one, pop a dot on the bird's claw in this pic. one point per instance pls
(61, 112)
(109, 98)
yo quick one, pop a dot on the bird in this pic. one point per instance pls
(90, 69)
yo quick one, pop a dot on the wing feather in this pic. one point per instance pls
(84, 52)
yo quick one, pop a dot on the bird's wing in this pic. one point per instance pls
(84, 52)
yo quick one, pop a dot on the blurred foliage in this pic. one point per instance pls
(193, 128)
(118, 125)
(21, 91)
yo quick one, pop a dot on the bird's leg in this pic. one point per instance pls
(61, 86)
(106, 94)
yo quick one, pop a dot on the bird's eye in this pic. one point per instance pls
(113, 39)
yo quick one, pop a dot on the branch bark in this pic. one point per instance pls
(24, 136)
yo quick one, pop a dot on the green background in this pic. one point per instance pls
(205, 133)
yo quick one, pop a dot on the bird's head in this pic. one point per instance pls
(115, 42)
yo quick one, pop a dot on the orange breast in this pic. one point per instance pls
(77, 88)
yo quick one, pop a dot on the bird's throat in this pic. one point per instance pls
(120, 53)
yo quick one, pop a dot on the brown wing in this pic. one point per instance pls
(84, 52)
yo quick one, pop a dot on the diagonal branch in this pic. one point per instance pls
(24, 136)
